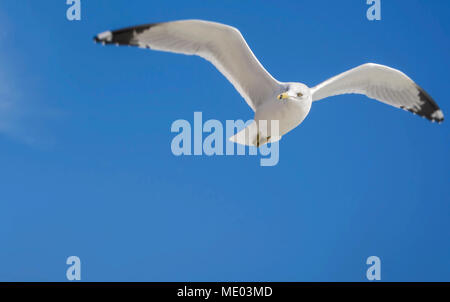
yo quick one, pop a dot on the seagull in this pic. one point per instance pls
(288, 103)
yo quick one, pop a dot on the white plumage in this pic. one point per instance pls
(384, 84)
(287, 103)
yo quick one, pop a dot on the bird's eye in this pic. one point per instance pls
(299, 94)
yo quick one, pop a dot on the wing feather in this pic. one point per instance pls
(222, 45)
(384, 84)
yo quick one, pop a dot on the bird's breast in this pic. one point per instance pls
(289, 113)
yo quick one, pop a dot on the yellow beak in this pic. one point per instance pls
(282, 96)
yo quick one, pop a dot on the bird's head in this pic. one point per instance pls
(295, 92)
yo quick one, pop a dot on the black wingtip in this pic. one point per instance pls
(427, 108)
(124, 36)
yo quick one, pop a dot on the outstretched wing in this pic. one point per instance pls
(220, 44)
(384, 84)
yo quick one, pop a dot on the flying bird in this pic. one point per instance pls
(286, 102)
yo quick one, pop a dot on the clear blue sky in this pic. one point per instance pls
(86, 167)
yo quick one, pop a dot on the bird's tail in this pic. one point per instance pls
(252, 136)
